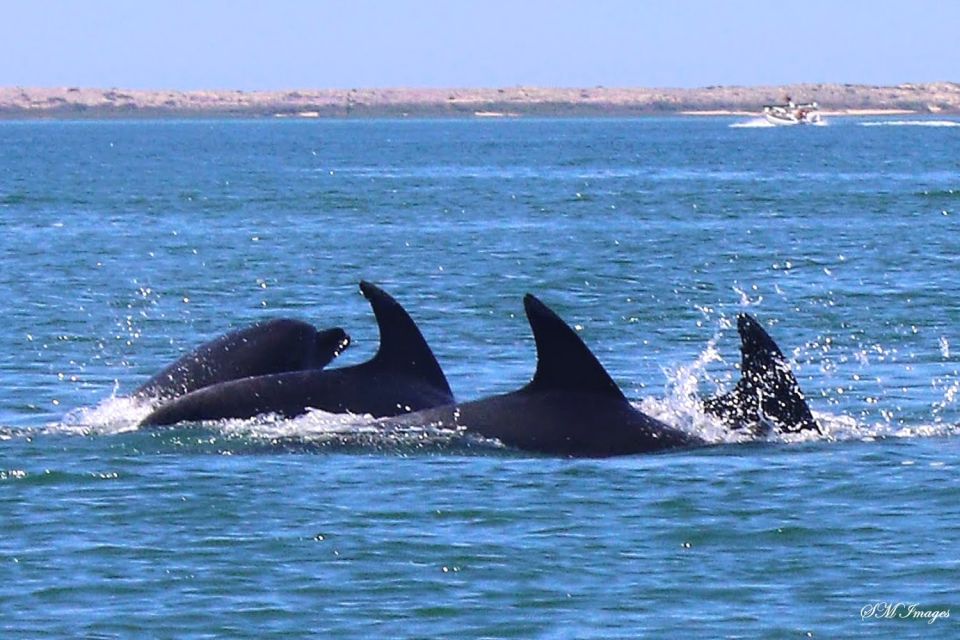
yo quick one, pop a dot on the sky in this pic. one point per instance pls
(285, 44)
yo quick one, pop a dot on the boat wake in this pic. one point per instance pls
(762, 123)
(911, 123)
(755, 123)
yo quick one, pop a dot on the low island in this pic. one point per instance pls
(834, 99)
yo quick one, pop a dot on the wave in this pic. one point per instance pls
(911, 123)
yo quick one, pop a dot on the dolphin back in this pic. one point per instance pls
(403, 376)
(264, 348)
(571, 407)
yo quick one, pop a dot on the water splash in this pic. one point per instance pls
(745, 299)
(755, 123)
(682, 405)
(689, 384)
(911, 123)
(111, 416)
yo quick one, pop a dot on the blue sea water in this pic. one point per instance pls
(126, 244)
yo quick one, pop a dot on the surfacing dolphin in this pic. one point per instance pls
(572, 407)
(767, 396)
(403, 376)
(272, 346)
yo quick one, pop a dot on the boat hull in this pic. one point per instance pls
(783, 117)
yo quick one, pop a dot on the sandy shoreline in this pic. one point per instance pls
(835, 99)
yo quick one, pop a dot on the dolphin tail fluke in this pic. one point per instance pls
(768, 396)
(402, 346)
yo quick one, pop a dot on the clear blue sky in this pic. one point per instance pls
(279, 44)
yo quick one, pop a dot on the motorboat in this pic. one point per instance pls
(792, 113)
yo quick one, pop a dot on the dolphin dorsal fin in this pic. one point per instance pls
(758, 352)
(402, 346)
(563, 360)
(767, 391)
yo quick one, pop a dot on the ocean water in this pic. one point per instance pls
(125, 244)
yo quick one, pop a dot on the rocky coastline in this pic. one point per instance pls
(835, 99)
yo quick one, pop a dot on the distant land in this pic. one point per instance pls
(836, 99)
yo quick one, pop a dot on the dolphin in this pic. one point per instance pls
(571, 407)
(767, 396)
(403, 376)
(271, 346)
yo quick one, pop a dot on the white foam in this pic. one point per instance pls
(762, 123)
(681, 405)
(318, 428)
(755, 123)
(112, 415)
(313, 425)
(911, 123)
